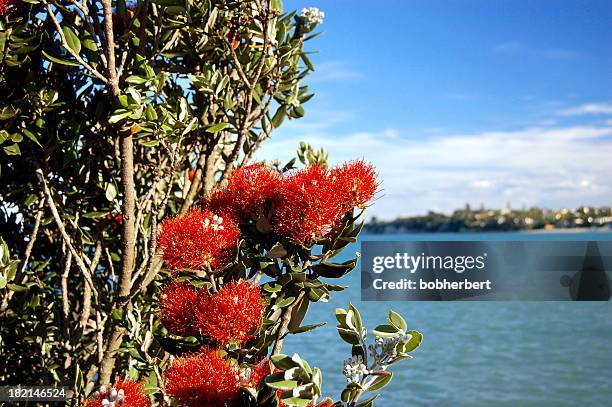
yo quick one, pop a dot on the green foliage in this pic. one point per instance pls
(366, 370)
(199, 86)
(100, 143)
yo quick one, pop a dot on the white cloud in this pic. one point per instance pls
(517, 47)
(510, 47)
(545, 166)
(333, 71)
(587, 108)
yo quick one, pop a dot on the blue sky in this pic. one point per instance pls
(464, 101)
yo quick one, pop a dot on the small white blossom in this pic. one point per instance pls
(354, 368)
(216, 223)
(312, 15)
(111, 397)
(384, 348)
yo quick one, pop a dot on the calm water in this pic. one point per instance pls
(479, 353)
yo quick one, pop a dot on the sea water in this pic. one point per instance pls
(478, 353)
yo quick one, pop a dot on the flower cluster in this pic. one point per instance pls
(383, 349)
(205, 379)
(357, 183)
(354, 368)
(178, 303)
(310, 206)
(231, 314)
(249, 190)
(312, 15)
(303, 206)
(315, 198)
(227, 316)
(128, 393)
(209, 379)
(198, 239)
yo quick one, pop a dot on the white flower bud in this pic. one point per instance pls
(312, 15)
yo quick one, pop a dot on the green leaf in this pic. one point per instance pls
(297, 402)
(7, 112)
(397, 320)
(281, 384)
(283, 362)
(16, 288)
(414, 342)
(298, 313)
(341, 316)
(90, 44)
(95, 215)
(111, 191)
(380, 382)
(31, 136)
(385, 331)
(13, 149)
(150, 113)
(278, 117)
(272, 288)
(30, 199)
(72, 39)
(307, 61)
(216, 127)
(285, 302)
(59, 61)
(278, 250)
(151, 143)
(78, 383)
(334, 270)
(349, 336)
(307, 328)
(356, 318)
(119, 115)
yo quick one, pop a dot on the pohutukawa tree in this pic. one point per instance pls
(145, 257)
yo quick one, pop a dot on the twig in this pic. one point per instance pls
(65, 303)
(285, 321)
(249, 97)
(26, 256)
(237, 63)
(80, 60)
(60, 225)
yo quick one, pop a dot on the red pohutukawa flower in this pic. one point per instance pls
(4, 5)
(310, 206)
(178, 304)
(231, 314)
(249, 189)
(205, 379)
(198, 239)
(356, 182)
(128, 393)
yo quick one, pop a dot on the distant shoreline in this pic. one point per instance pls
(468, 220)
(603, 229)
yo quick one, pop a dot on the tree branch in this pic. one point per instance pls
(80, 60)
(249, 96)
(285, 321)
